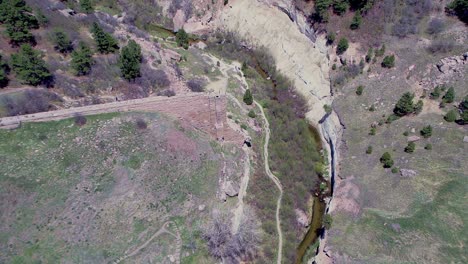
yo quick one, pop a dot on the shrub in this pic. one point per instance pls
(380, 52)
(459, 8)
(343, 45)
(29, 66)
(334, 66)
(359, 90)
(410, 148)
(327, 221)
(426, 132)
(3, 78)
(373, 130)
(243, 126)
(386, 160)
(331, 36)
(406, 133)
(357, 20)
(328, 109)
(80, 120)
(62, 42)
(449, 96)
(435, 94)
(441, 46)
(248, 98)
(160, 79)
(196, 85)
(435, 26)
(82, 60)
(369, 150)
(86, 6)
(369, 54)
(129, 61)
(451, 116)
(166, 92)
(428, 146)
(391, 118)
(141, 123)
(394, 170)
(372, 108)
(182, 38)
(252, 114)
(418, 107)
(463, 106)
(41, 18)
(388, 61)
(105, 42)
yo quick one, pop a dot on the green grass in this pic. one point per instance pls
(46, 166)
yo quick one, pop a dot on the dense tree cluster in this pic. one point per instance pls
(29, 66)
(18, 19)
(130, 59)
(459, 8)
(86, 6)
(104, 41)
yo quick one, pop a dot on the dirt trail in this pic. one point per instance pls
(161, 231)
(236, 67)
(274, 179)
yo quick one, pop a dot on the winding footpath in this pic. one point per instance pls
(275, 180)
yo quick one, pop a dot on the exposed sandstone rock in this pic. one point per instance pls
(413, 138)
(178, 20)
(231, 188)
(408, 173)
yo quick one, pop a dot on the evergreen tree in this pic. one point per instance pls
(130, 59)
(388, 61)
(82, 60)
(182, 38)
(404, 106)
(4, 70)
(104, 41)
(29, 67)
(248, 98)
(86, 6)
(426, 132)
(449, 96)
(357, 20)
(451, 116)
(41, 18)
(342, 46)
(62, 42)
(386, 160)
(410, 148)
(459, 8)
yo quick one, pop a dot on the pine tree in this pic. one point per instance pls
(342, 46)
(4, 70)
(17, 17)
(62, 42)
(104, 41)
(29, 67)
(182, 38)
(130, 59)
(426, 132)
(82, 60)
(404, 106)
(386, 160)
(357, 20)
(248, 98)
(449, 96)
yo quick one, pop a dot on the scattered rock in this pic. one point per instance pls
(413, 130)
(171, 258)
(413, 138)
(231, 188)
(408, 173)
(465, 139)
(396, 227)
(201, 207)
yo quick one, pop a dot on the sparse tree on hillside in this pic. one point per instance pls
(342, 46)
(182, 38)
(62, 41)
(29, 66)
(248, 98)
(449, 96)
(404, 106)
(357, 20)
(104, 41)
(388, 61)
(18, 18)
(426, 132)
(82, 60)
(130, 59)
(451, 116)
(386, 160)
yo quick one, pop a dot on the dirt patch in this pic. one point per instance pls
(179, 142)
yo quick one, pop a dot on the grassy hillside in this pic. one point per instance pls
(94, 192)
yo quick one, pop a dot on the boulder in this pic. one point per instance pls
(413, 138)
(465, 139)
(231, 188)
(178, 20)
(406, 173)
